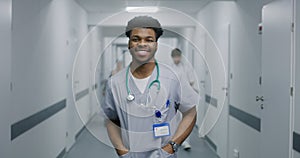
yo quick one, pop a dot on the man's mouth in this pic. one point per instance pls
(142, 52)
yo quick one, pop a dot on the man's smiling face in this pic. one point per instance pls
(142, 45)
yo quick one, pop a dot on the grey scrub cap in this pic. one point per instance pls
(144, 22)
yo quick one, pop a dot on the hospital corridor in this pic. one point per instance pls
(150, 79)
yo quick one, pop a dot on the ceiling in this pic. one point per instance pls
(114, 6)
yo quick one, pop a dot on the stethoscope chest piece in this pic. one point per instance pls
(130, 97)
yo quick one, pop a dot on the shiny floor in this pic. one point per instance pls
(94, 143)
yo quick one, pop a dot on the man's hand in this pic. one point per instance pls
(114, 133)
(122, 152)
(168, 148)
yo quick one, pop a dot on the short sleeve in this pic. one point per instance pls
(188, 97)
(108, 106)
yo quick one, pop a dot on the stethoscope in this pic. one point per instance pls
(130, 96)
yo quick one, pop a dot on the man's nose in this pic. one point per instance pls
(142, 43)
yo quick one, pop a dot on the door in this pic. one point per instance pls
(220, 129)
(276, 75)
(215, 122)
(5, 72)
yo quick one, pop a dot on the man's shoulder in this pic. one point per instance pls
(119, 76)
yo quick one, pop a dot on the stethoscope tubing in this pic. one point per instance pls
(130, 96)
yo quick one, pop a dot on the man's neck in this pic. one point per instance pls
(141, 71)
(177, 63)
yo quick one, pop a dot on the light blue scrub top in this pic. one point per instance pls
(136, 121)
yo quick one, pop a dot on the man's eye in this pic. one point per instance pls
(150, 40)
(134, 39)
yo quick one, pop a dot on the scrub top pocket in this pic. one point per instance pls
(127, 155)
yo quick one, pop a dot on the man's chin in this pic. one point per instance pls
(144, 61)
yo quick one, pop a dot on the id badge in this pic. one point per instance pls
(161, 130)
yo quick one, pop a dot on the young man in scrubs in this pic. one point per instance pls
(142, 100)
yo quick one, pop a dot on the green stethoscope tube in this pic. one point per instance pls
(130, 96)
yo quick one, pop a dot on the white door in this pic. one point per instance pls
(223, 43)
(215, 122)
(220, 129)
(5, 72)
(276, 71)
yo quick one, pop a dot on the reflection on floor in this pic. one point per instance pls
(94, 143)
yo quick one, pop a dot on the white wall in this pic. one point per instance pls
(95, 52)
(245, 49)
(76, 112)
(45, 39)
(38, 74)
(5, 71)
(81, 71)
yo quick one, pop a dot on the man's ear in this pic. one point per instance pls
(128, 44)
(156, 44)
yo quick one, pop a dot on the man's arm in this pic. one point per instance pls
(184, 129)
(114, 133)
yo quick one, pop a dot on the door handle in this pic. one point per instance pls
(224, 88)
(259, 98)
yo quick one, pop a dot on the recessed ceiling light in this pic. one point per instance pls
(142, 9)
